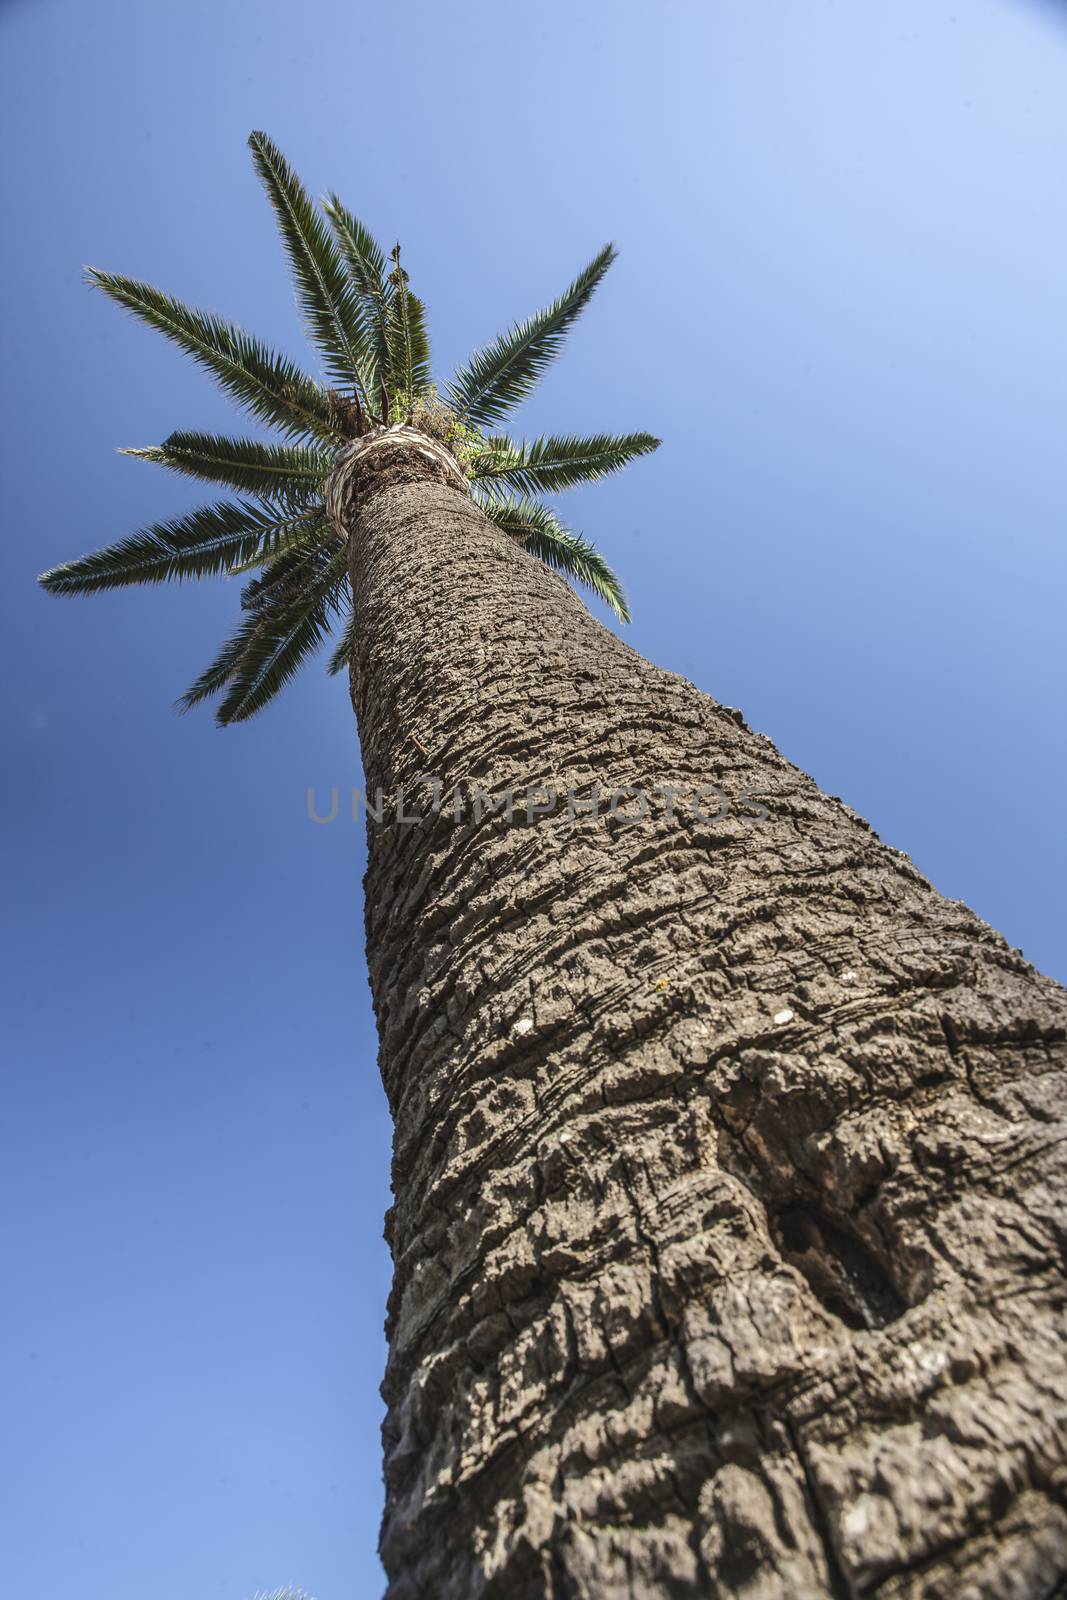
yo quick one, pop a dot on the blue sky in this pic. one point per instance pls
(840, 301)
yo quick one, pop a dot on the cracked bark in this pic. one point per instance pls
(729, 1231)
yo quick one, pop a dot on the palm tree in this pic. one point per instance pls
(729, 1231)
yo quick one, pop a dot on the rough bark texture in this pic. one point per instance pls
(729, 1222)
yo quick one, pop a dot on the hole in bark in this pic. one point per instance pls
(842, 1272)
(740, 1563)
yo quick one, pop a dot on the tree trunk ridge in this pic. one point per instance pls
(728, 1231)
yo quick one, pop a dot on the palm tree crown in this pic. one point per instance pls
(370, 332)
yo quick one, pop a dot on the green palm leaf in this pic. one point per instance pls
(365, 262)
(270, 386)
(316, 532)
(333, 311)
(540, 531)
(215, 677)
(341, 659)
(407, 342)
(547, 465)
(210, 540)
(271, 471)
(288, 568)
(292, 614)
(500, 377)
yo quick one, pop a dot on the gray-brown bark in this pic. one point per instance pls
(729, 1223)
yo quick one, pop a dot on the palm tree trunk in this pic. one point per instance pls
(729, 1225)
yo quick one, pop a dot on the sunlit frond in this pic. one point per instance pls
(333, 310)
(547, 465)
(270, 386)
(537, 529)
(289, 612)
(202, 543)
(408, 344)
(270, 470)
(294, 614)
(341, 659)
(500, 377)
(365, 262)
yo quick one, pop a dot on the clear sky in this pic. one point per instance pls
(841, 302)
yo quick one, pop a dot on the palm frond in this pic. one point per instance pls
(547, 465)
(539, 530)
(341, 659)
(210, 540)
(316, 532)
(500, 377)
(270, 386)
(333, 311)
(292, 615)
(215, 677)
(364, 257)
(272, 471)
(365, 262)
(408, 344)
(289, 567)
